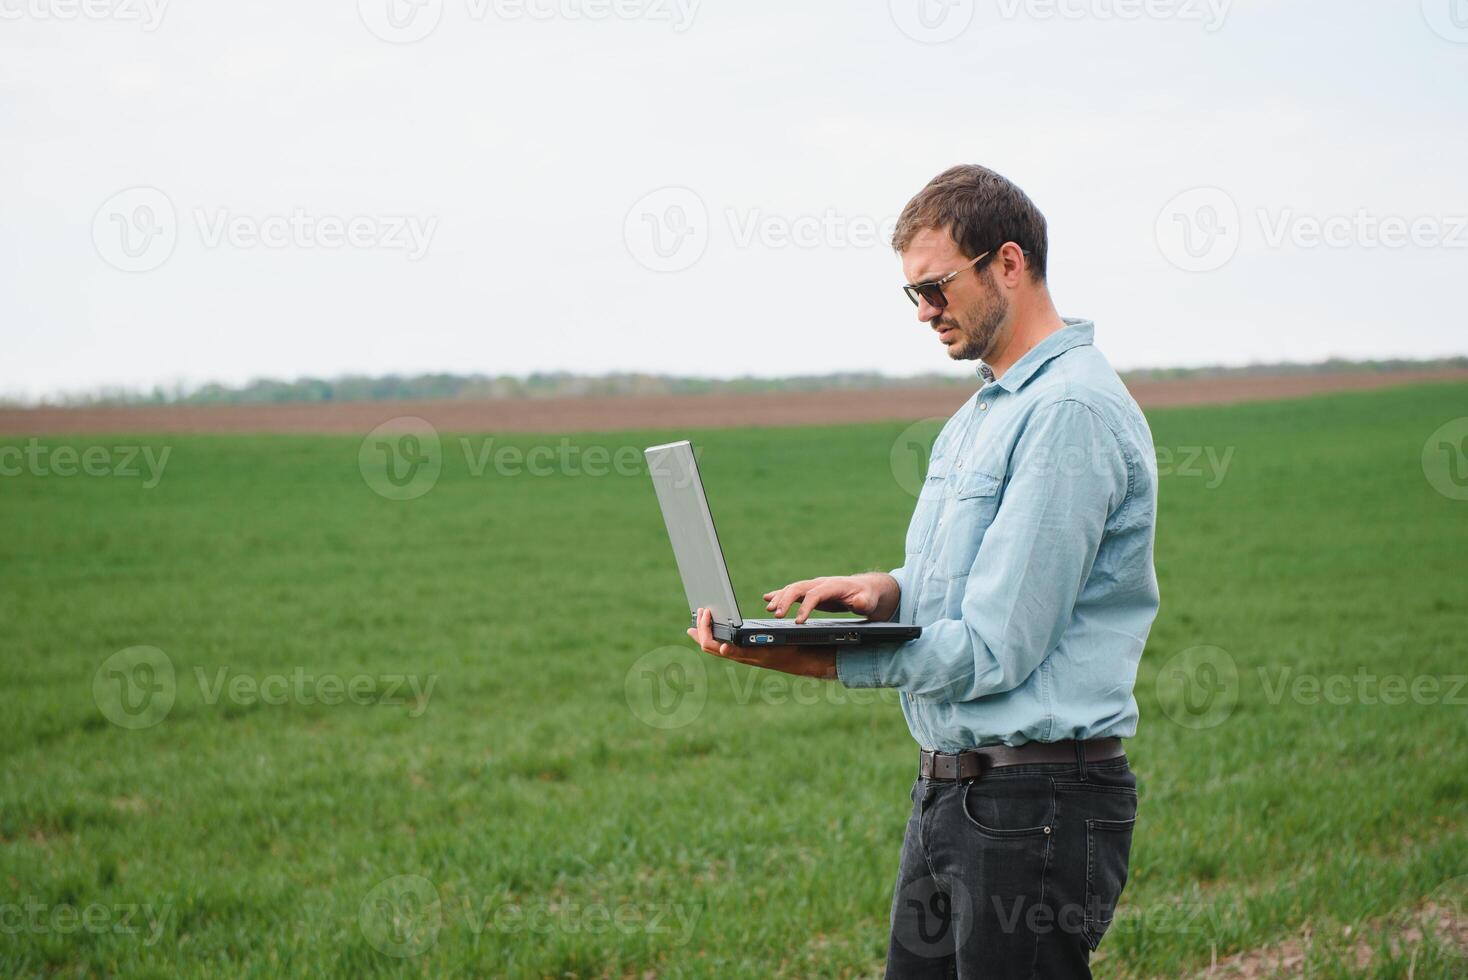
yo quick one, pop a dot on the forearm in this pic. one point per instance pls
(818, 662)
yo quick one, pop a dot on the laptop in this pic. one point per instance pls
(706, 578)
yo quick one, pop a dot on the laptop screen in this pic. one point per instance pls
(691, 529)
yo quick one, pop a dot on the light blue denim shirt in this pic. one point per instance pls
(1028, 560)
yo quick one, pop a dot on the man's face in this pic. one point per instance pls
(971, 324)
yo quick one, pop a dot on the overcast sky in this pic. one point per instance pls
(205, 191)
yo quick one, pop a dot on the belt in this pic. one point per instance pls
(973, 763)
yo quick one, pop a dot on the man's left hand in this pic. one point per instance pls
(801, 661)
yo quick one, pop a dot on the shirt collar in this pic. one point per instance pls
(1075, 333)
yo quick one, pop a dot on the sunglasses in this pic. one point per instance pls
(932, 291)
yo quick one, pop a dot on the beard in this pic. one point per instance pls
(978, 328)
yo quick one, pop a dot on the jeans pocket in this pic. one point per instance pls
(1009, 808)
(1108, 852)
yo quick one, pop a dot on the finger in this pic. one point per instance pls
(811, 602)
(714, 648)
(706, 633)
(705, 628)
(772, 599)
(789, 596)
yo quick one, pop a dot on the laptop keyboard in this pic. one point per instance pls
(790, 623)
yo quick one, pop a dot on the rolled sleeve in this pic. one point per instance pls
(899, 575)
(871, 666)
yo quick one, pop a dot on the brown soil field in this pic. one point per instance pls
(653, 412)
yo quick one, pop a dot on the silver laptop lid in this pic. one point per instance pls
(691, 529)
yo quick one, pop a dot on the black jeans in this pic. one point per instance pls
(1014, 874)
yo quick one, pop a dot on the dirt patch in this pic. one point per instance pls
(1445, 925)
(651, 412)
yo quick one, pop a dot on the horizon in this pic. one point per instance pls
(181, 394)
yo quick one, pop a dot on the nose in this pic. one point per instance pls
(926, 311)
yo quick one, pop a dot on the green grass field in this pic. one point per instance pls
(574, 800)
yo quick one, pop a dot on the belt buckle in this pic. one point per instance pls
(942, 766)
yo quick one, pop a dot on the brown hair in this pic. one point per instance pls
(981, 210)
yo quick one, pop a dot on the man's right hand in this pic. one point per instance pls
(874, 595)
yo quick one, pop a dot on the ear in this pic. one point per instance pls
(1011, 264)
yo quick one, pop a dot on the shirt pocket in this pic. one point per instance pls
(970, 502)
(925, 514)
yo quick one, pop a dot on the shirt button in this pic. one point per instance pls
(983, 406)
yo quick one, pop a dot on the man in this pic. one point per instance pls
(1029, 567)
